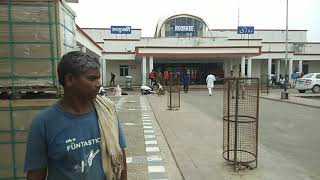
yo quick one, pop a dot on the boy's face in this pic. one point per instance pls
(87, 84)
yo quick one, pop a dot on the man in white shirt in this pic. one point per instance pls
(210, 82)
(117, 91)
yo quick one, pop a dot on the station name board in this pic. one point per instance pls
(245, 30)
(183, 29)
(120, 29)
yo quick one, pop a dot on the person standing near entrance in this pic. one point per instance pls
(166, 77)
(210, 82)
(152, 76)
(186, 82)
(159, 77)
(294, 78)
(113, 76)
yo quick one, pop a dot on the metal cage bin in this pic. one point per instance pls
(173, 100)
(240, 122)
(264, 83)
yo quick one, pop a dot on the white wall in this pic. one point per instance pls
(120, 46)
(134, 71)
(135, 34)
(267, 36)
(98, 34)
(314, 66)
(311, 48)
(256, 68)
(276, 47)
(125, 46)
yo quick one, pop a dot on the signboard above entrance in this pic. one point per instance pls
(180, 29)
(120, 29)
(245, 30)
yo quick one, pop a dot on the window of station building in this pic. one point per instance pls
(184, 21)
(124, 70)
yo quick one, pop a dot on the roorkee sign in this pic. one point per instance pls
(120, 29)
(183, 29)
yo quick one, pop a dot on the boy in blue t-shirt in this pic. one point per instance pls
(64, 139)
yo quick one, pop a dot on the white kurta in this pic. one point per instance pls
(117, 91)
(210, 81)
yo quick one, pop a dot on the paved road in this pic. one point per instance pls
(288, 139)
(289, 131)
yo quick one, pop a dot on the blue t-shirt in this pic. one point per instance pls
(185, 79)
(294, 76)
(68, 145)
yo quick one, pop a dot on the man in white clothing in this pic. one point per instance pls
(210, 82)
(117, 91)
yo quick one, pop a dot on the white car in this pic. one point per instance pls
(309, 81)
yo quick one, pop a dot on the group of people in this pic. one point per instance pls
(156, 78)
(294, 77)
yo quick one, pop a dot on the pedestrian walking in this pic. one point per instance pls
(166, 77)
(283, 82)
(294, 77)
(210, 82)
(186, 82)
(160, 89)
(152, 77)
(113, 76)
(159, 77)
(79, 137)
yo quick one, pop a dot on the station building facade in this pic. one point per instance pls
(184, 42)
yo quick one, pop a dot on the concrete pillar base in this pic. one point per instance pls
(284, 95)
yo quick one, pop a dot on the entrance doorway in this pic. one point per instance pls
(197, 71)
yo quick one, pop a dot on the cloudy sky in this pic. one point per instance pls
(144, 14)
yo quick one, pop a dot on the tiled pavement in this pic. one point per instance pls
(148, 155)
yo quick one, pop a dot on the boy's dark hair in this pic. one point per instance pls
(75, 63)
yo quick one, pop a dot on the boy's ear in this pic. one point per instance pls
(68, 80)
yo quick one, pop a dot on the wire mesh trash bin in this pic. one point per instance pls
(128, 82)
(240, 121)
(264, 83)
(173, 100)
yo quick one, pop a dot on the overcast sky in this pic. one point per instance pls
(144, 14)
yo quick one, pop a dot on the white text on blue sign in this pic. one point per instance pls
(245, 30)
(183, 28)
(120, 29)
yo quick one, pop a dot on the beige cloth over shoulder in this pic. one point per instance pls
(111, 154)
